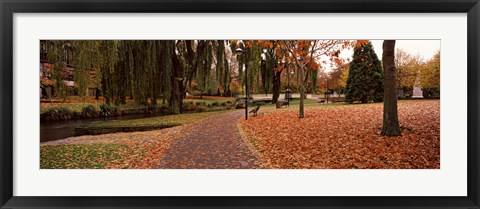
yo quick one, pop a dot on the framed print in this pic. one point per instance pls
(196, 104)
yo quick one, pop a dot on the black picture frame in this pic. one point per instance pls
(9, 7)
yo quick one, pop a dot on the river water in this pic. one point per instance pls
(54, 130)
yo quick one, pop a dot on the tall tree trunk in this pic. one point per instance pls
(178, 89)
(122, 90)
(390, 112)
(105, 87)
(302, 91)
(276, 86)
(153, 74)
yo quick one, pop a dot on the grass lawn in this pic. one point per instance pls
(156, 121)
(311, 102)
(208, 99)
(85, 156)
(307, 103)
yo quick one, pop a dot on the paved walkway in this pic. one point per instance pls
(214, 142)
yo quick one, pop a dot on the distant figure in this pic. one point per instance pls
(97, 93)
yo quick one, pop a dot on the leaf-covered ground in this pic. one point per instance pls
(347, 136)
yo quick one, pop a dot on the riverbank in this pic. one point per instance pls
(136, 125)
(57, 130)
(75, 108)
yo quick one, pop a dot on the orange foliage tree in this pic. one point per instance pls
(305, 55)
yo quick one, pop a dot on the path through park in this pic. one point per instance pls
(214, 142)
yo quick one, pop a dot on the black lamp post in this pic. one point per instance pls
(326, 89)
(288, 91)
(239, 52)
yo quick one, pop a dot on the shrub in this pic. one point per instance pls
(407, 92)
(150, 109)
(431, 93)
(116, 111)
(187, 105)
(215, 104)
(57, 113)
(162, 108)
(239, 105)
(260, 103)
(89, 111)
(107, 110)
(201, 109)
(224, 104)
(196, 93)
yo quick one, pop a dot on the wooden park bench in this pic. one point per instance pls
(281, 103)
(254, 111)
(337, 99)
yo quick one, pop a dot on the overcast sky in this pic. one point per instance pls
(423, 48)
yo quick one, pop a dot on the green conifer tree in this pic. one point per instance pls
(365, 79)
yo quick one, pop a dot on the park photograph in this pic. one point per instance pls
(239, 104)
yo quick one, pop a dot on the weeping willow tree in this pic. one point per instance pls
(234, 45)
(56, 56)
(150, 69)
(166, 49)
(269, 61)
(270, 71)
(143, 69)
(251, 60)
(121, 81)
(87, 62)
(204, 69)
(227, 79)
(186, 57)
(155, 72)
(219, 65)
(108, 58)
(140, 74)
(276, 63)
(223, 71)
